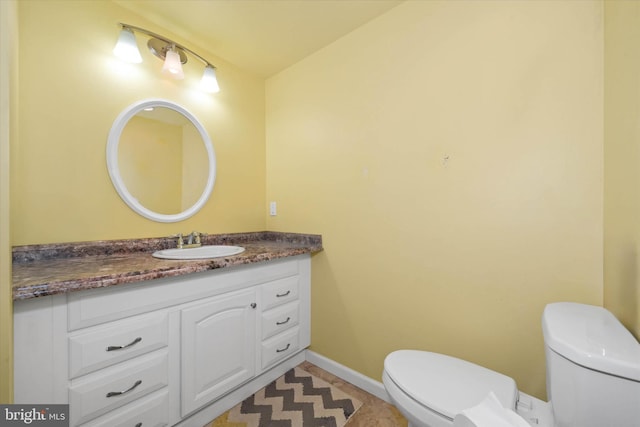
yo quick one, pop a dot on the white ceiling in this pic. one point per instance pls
(260, 36)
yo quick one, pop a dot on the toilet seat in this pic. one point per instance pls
(447, 385)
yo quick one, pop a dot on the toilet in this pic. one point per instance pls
(593, 377)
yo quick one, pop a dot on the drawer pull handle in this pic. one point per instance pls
(283, 322)
(283, 295)
(120, 347)
(139, 425)
(280, 350)
(118, 393)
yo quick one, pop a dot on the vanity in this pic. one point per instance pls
(128, 339)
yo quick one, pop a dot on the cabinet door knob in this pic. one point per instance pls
(254, 305)
(120, 347)
(118, 393)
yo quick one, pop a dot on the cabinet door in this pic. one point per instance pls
(218, 347)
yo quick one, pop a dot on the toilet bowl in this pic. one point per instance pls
(593, 377)
(430, 389)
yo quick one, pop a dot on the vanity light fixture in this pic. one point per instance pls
(209, 82)
(172, 64)
(126, 48)
(172, 53)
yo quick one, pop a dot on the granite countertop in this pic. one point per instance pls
(40, 270)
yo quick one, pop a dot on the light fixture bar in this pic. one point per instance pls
(166, 40)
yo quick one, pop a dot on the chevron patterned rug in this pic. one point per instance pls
(296, 399)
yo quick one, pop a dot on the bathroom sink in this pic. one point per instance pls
(202, 252)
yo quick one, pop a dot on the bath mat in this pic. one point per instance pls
(296, 399)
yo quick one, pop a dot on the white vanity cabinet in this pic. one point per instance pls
(173, 351)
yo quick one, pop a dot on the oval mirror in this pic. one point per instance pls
(161, 160)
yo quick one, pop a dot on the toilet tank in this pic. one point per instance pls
(593, 367)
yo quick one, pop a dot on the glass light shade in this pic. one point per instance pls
(172, 65)
(209, 82)
(126, 48)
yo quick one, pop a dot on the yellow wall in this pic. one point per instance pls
(450, 153)
(8, 126)
(622, 162)
(72, 88)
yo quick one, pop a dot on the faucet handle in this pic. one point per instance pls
(200, 235)
(197, 235)
(180, 240)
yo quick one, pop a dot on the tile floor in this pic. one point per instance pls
(373, 413)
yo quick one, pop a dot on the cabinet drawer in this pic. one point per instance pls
(149, 411)
(280, 346)
(280, 319)
(102, 391)
(102, 346)
(279, 292)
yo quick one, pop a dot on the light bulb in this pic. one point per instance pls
(172, 64)
(209, 82)
(126, 48)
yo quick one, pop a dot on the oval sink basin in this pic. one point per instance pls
(202, 252)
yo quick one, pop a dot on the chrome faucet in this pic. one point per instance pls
(194, 240)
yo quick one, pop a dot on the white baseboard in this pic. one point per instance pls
(356, 378)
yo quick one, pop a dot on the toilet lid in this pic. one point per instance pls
(446, 384)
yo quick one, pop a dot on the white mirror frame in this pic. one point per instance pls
(114, 170)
